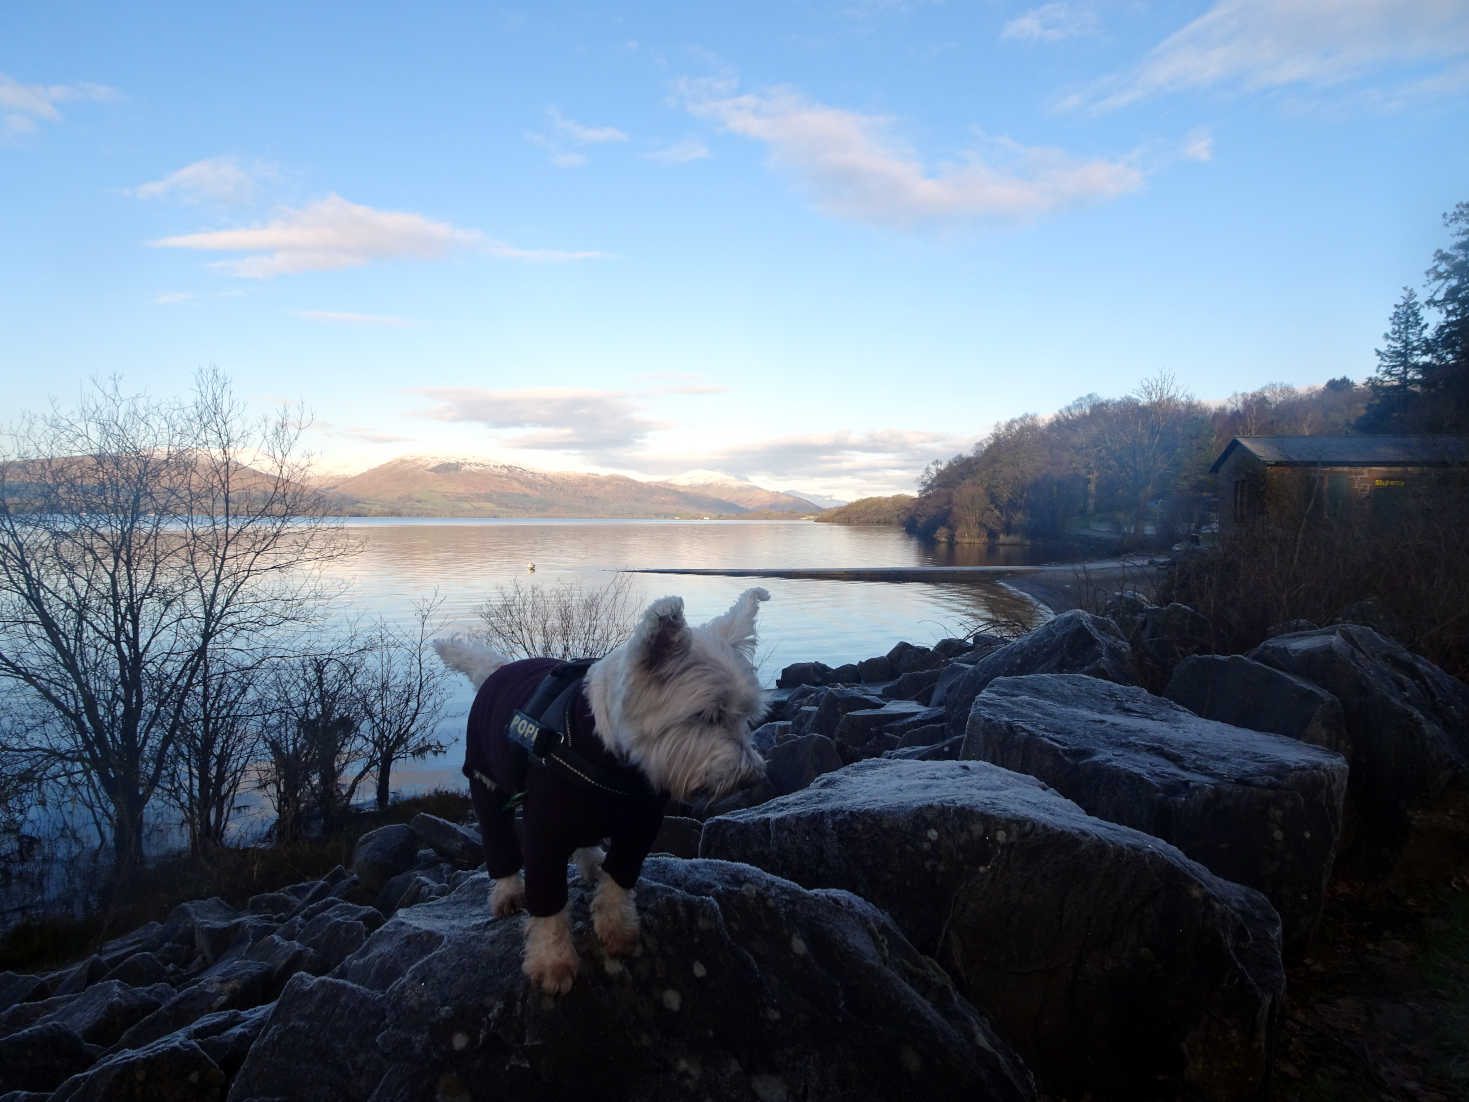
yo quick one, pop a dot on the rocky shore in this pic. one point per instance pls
(1075, 864)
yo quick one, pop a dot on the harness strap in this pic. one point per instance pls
(545, 728)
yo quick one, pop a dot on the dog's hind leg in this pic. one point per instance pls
(588, 861)
(550, 957)
(615, 917)
(507, 896)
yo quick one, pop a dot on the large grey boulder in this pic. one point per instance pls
(1240, 691)
(458, 845)
(907, 658)
(745, 986)
(1257, 808)
(1407, 721)
(865, 732)
(21, 987)
(98, 1015)
(795, 764)
(1074, 642)
(383, 853)
(42, 1057)
(823, 714)
(1116, 965)
(1163, 636)
(233, 985)
(172, 1069)
(803, 673)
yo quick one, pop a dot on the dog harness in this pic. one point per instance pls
(549, 760)
(545, 728)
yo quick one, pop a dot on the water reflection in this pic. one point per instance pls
(832, 621)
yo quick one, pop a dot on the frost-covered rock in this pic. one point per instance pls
(744, 986)
(1114, 964)
(1074, 642)
(383, 853)
(1237, 690)
(1407, 721)
(1257, 808)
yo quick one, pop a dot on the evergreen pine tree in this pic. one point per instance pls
(1401, 366)
(1447, 377)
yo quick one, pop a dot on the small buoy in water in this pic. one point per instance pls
(531, 567)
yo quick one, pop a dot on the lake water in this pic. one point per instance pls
(827, 620)
(403, 560)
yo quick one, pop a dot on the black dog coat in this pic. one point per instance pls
(562, 812)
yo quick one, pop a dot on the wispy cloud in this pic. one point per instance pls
(1052, 23)
(171, 297)
(333, 233)
(603, 426)
(679, 153)
(1198, 145)
(567, 133)
(845, 464)
(23, 107)
(1260, 45)
(881, 453)
(853, 165)
(580, 133)
(351, 319)
(611, 429)
(217, 179)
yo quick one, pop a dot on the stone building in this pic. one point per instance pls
(1336, 477)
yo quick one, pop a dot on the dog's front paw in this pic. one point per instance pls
(615, 918)
(550, 957)
(554, 977)
(507, 897)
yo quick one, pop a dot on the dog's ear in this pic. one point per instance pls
(661, 635)
(737, 626)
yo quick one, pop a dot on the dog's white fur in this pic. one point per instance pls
(676, 701)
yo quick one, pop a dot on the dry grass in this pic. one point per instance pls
(1405, 574)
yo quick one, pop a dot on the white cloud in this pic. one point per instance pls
(680, 153)
(24, 106)
(580, 133)
(1258, 45)
(876, 454)
(853, 167)
(334, 233)
(351, 319)
(1198, 145)
(171, 297)
(1052, 23)
(220, 179)
(600, 425)
(568, 160)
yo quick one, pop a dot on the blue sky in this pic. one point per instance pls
(812, 244)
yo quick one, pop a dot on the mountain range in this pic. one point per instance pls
(429, 485)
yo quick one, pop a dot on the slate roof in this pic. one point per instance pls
(1351, 451)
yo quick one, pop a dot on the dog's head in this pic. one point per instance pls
(680, 701)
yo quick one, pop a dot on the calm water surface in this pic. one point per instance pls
(403, 560)
(831, 621)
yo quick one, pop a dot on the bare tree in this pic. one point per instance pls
(402, 691)
(219, 740)
(136, 542)
(1144, 443)
(560, 621)
(313, 736)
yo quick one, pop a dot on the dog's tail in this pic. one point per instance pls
(474, 660)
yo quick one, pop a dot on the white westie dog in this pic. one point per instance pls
(594, 751)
